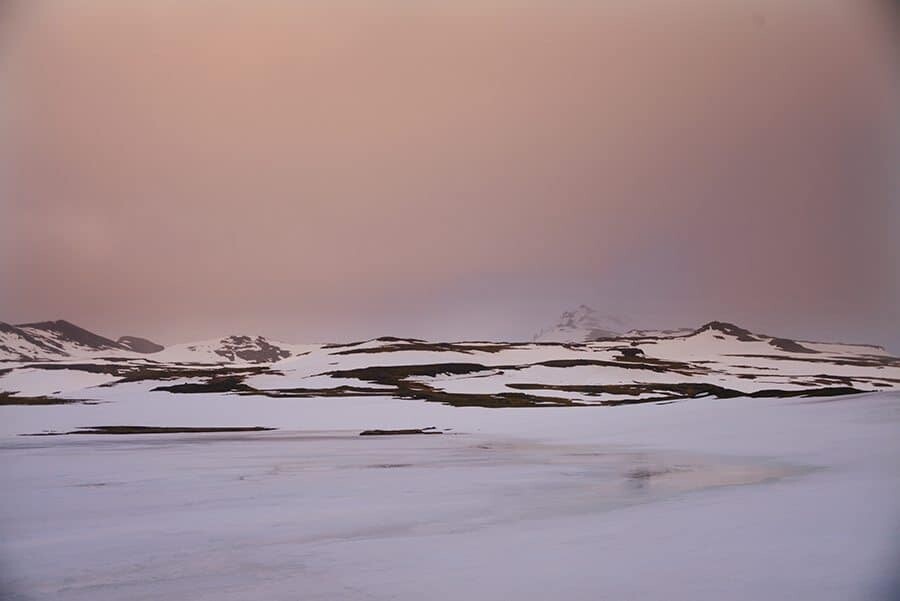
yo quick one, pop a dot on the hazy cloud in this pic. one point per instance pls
(329, 170)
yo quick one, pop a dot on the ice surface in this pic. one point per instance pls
(739, 499)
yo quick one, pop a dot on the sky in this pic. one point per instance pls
(338, 170)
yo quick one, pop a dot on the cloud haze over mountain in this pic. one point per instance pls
(329, 170)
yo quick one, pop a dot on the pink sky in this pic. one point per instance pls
(347, 169)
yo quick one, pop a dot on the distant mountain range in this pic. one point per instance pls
(718, 359)
(60, 339)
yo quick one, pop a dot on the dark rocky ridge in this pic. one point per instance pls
(729, 329)
(70, 332)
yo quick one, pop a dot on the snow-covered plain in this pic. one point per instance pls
(704, 499)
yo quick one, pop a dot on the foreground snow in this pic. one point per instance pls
(702, 499)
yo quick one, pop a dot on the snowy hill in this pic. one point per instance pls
(718, 360)
(231, 349)
(582, 325)
(50, 340)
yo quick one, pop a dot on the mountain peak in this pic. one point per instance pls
(248, 348)
(62, 332)
(582, 324)
(729, 329)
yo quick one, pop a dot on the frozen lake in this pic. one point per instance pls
(737, 499)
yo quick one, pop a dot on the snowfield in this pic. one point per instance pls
(739, 498)
(29, 381)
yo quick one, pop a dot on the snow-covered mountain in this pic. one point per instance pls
(49, 340)
(582, 325)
